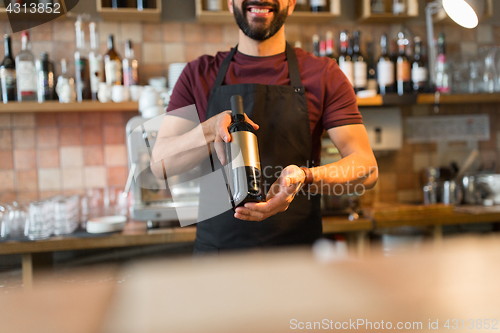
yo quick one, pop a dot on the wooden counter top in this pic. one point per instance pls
(137, 234)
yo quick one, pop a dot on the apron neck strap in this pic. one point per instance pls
(293, 68)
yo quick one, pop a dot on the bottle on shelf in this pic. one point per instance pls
(212, 5)
(8, 72)
(302, 6)
(246, 184)
(419, 73)
(112, 64)
(143, 4)
(322, 48)
(330, 46)
(298, 44)
(360, 66)
(96, 65)
(315, 42)
(319, 5)
(118, 4)
(372, 67)
(82, 80)
(377, 6)
(385, 69)
(345, 59)
(130, 66)
(45, 70)
(26, 72)
(403, 67)
(442, 68)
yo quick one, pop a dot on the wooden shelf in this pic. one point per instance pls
(365, 15)
(224, 16)
(442, 18)
(55, 106)
(130, 14)
(459, 99)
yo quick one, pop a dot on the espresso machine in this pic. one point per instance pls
(154, 200)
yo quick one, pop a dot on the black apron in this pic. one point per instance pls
(284, 138)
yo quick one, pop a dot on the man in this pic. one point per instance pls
(291, 98)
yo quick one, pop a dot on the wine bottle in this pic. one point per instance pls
(385, 69)
(322, 48)
(26, 72)
(112, 64)
(45, 70)
(130, 66)
(372, 67)
(8, 73)
(118, 4)
(330, 48)
(143, 4)
(442, 70)
(96, 66)
(319, 5)
(403, 77)
(82, 80)
(360, 66)
(419, 73)
(345, 59)
(246, 182)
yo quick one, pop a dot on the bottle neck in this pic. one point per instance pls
(355, 47)
(7, 47)
(24, 44)
(111, 44)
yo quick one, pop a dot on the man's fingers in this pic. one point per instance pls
(248, 214)
(223, 127)
(220, 150)
(250, 121)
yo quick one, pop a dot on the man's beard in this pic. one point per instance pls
(260, 32)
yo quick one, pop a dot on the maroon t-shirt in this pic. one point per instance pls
(331, 100)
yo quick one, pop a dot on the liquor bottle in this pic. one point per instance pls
(322, 48)
(96, 65)
(302, 6)
(246, 183)
(419, 73)
(403, 76)
(45, 70)
(345, 59)
(130, 66)
(112, 64)
(372, 67)
(82, 80)
(211, 5)
(330, 48)
(8, 72)
(319, 5)
(315, 41)
(26, 72)
(442, 70)
(360, 65)
(118, 4)
(385, 69)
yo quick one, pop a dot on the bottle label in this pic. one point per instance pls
(385, 71)
(419, 74)
(96, 73)
(360, 74)
(113, 70)
(318, 3)
(348, 68)
(244, 150)
(26, 78)
(404, 71)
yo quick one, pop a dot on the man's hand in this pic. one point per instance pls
(278, 198)
(216, 129)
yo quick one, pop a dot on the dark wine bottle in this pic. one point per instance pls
(403, 68)
(142, 4)
(45, 70)
(360, 65)
(8, 73)
(246, 182)
(118, 3)
(385, 69)
(419, 73)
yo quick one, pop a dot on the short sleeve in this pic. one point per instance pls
(340, 105)
(182, 95)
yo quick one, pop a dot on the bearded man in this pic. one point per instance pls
(291, 98)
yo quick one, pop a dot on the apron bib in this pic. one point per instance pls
(284, 138)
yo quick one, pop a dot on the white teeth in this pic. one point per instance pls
(256, 10)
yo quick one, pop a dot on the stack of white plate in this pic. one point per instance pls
(106, 224)
(174, 71)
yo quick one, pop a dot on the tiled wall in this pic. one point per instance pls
(44, 154)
